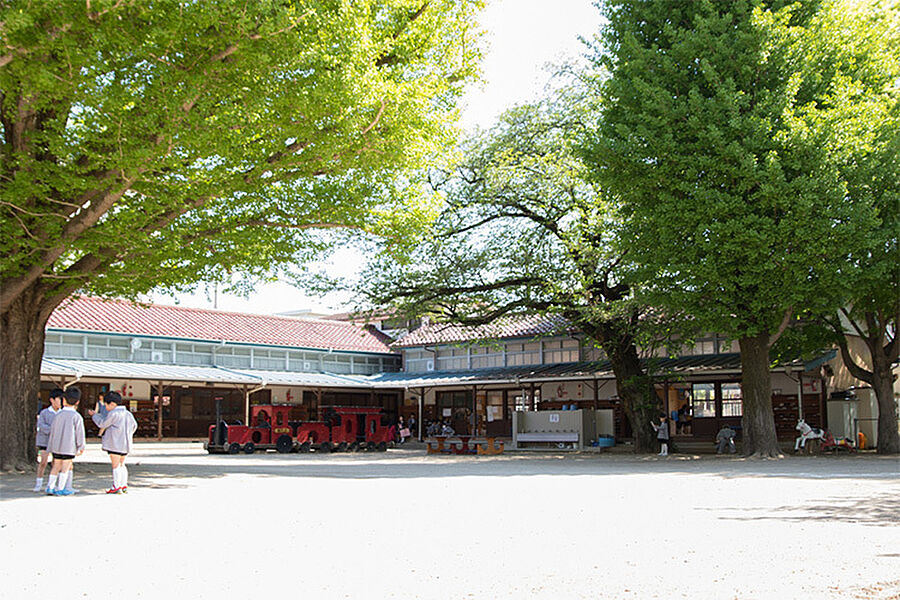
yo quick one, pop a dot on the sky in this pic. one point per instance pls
(523, 37)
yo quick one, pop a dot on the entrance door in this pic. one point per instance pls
(498, 417)
(714, 405)
(455, 407)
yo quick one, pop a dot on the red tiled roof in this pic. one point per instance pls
(121, 316)
(523, 326)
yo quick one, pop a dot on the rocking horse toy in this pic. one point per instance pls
(806, 433)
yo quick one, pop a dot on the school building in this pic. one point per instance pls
(187, 361)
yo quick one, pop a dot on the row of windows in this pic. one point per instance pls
(512, 354)
(516, 354)
(96, 347)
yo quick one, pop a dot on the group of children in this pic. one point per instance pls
(60, 435)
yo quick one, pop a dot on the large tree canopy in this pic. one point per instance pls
(523, 232)
(711, 138)
(153, 144)
(864, 110)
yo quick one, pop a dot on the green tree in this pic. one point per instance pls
(864, 111)
(709, 138)
(522, 232)
(154, 144)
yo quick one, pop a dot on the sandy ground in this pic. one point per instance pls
(406, 525)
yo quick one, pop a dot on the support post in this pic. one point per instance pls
(421, 404)
(800, 394)
(246, 405)
(159, 411)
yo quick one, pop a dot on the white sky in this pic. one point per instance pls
(522, 38)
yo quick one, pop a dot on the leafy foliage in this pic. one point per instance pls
(157, 144)
(522, 231)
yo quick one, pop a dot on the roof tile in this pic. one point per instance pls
(85, 313)
(518, 326)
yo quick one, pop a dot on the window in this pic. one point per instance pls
(64, 346)
(703, 400)
(416, 361)
(519, 353)
(233, 357)
(154, 352)
(560, 351)
(451, 359)
(269, 359)
(484, 357)
(336, 363)
(193, 354)
(731, 400)
(105, 348)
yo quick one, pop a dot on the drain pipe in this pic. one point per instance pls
(247, 393)
(78, 376)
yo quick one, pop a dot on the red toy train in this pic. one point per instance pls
(342, 429)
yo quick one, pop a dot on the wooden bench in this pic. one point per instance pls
(463, 445)
(552, 437)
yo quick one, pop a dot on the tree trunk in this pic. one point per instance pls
(883, 384)
(22, 344)
(756, 388)
(642, 405)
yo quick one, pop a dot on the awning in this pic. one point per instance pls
(145, 371)
(207, 375)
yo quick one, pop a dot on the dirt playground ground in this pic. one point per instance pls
(406, 525)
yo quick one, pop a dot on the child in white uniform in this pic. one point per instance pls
(117, 429)
(44, 423)
(66, 441)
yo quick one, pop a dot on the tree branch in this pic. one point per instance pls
(782, 327)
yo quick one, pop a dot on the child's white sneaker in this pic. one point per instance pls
(38, 487)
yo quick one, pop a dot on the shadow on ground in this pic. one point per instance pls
(151, 468)
(878, 510)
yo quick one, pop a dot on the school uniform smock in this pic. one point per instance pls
(67, 432)
(119, 425)
(44, 424)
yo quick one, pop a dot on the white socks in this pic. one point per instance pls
(70, 477)
(665, 450)
(61, 481)
(38, 483)
(51, 482)
(120, 477)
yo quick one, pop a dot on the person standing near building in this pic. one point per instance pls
(66, 441)
(412, 426)
(44, 424)
(662, 434)
(117, 432)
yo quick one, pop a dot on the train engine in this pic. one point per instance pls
(269, 429)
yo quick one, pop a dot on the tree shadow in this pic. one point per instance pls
(876, 511)
(150, 469)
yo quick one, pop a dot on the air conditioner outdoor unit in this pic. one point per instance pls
(156, 356)
(429, 365)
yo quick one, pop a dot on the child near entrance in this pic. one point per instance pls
(44, 424)
(662, 434)
(117, 429)
(65, 442)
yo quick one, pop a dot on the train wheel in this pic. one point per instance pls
(382, 446)
(342, 447)
(325, 447)
(305, 446)
(249, 448)
(370, 446)
(284, 444)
